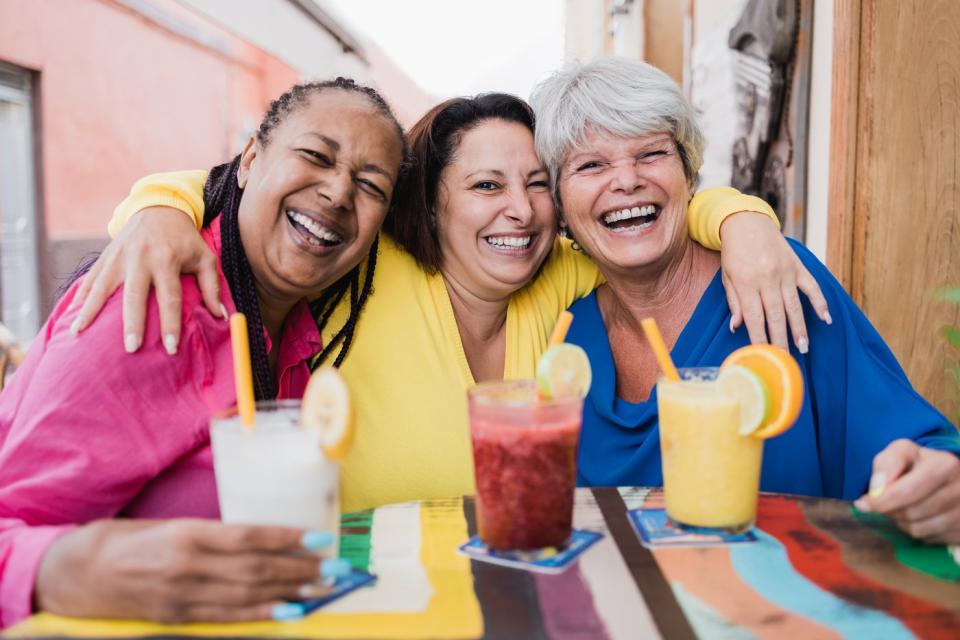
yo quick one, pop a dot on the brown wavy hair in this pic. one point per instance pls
(433, 143)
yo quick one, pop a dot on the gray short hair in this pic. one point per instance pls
(617, 95)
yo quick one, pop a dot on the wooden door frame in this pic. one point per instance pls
(845, 95)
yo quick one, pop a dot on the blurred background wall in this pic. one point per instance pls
(97, 93)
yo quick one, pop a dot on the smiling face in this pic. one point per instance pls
(315, 195)
(495, 216)
(625, 200)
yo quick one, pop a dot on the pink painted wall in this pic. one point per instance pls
(121, 95)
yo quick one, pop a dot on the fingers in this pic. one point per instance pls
(942, 526)
(83, 289)
(218, 613)
(794, 311)
(776, 317)
(904, 474)
(100, 283)
(169, 301)
(752, 309)
(209, 281)
(254, 570)
(810, 288)
(941, 500)
(734, 303)
(225, 538)
(135, 293)
(252, 613)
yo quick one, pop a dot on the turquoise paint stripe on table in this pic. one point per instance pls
(764, 565)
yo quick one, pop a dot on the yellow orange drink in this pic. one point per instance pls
(711, 473)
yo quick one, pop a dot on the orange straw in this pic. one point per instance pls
(560, 329)
(660, 349)
(242, 377)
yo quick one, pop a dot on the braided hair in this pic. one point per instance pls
(221, 197)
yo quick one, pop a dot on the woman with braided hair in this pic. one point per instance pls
(470, 279)
(108, 504)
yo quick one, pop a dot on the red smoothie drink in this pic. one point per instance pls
(525, 460)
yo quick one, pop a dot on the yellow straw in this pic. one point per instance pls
(560, 329)
(241, 368)
(659, 349)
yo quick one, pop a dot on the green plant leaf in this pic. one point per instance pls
(952, 334)
(949, 295)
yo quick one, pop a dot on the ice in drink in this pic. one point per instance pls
(525, 461)
(711, 473)
(275, 473)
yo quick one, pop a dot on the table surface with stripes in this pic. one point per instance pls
(818, 570)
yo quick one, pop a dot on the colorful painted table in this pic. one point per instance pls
(818, 571)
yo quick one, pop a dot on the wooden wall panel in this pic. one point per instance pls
(663, 35)
(906, 223)
(843, 140)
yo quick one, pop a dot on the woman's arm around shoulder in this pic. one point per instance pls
(761, 275)
(154, 242)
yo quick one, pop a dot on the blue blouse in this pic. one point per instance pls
(857, 399)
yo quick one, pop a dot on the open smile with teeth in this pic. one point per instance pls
(509, 243)
(315, 233)
(632, 218)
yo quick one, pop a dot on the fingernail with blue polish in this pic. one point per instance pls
(287, 611)
(316, 540)
(335, 568)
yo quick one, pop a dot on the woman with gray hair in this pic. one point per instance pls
(623, 149)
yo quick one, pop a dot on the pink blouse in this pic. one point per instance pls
(88, 431)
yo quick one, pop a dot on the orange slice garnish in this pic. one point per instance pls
(784, 382)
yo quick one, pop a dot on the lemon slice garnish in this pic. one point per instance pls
(750, 391)
(564, 371)
(326, 407)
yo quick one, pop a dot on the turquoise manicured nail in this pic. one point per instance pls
(335, 568)
(287, 611)
(316, 540)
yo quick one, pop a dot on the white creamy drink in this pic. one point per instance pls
(275, 473)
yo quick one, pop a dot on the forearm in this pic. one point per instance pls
(711, 207)
(181, 190)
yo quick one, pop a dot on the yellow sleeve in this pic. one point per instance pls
(710, 207)
(181, 190)
(567, 276)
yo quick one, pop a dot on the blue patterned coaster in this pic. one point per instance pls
(656, 529)
(547, 560)
(342, 587)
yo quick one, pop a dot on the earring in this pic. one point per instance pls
(566, 233)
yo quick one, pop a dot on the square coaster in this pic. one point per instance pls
(547, 560)
(343, 586)
(656, 529)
